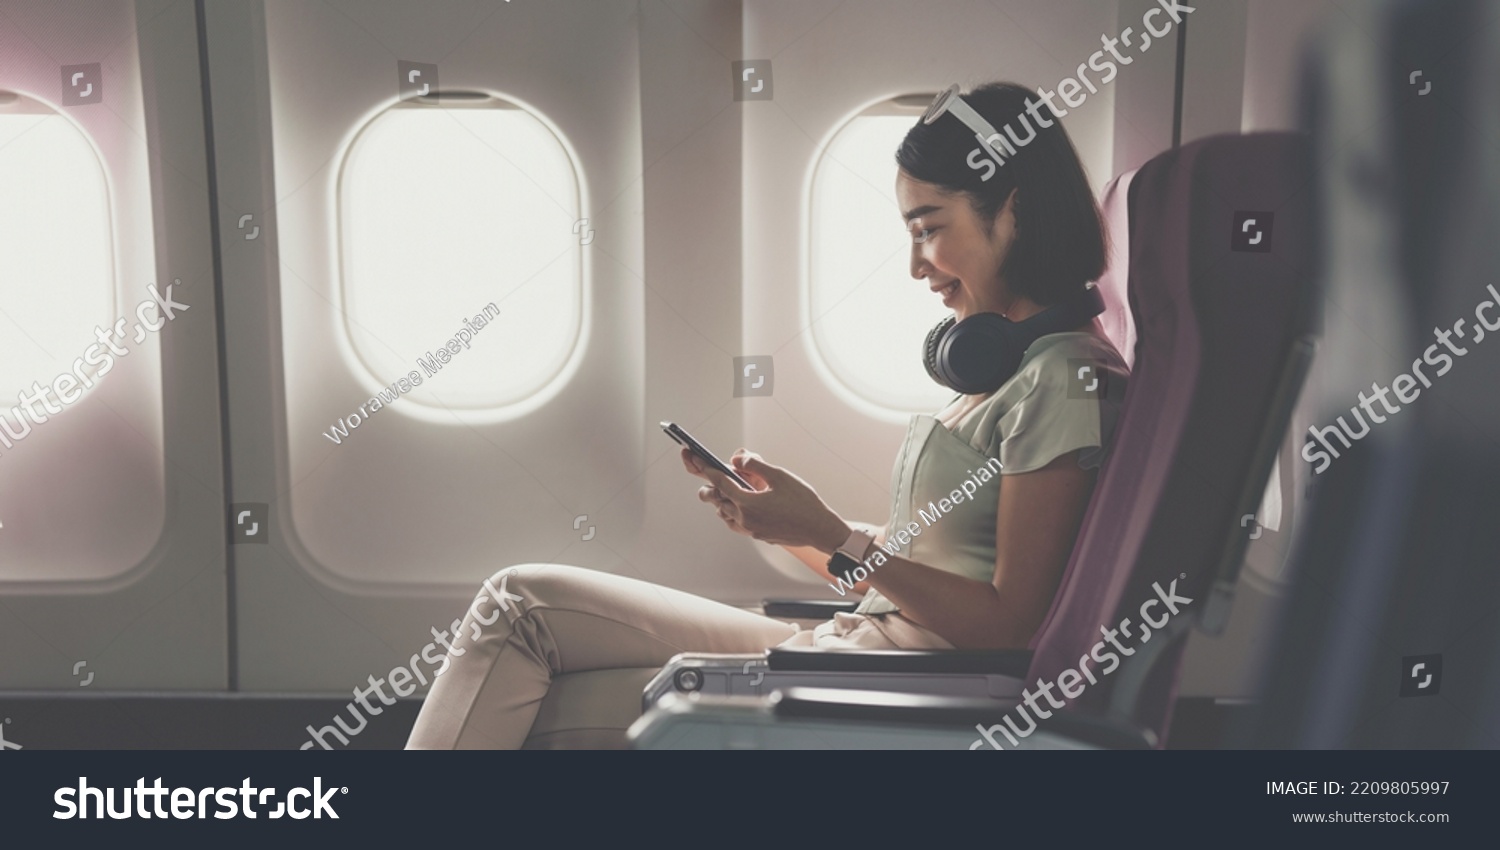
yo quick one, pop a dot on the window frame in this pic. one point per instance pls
(364, 373)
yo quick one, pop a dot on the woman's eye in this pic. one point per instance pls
(922, 236)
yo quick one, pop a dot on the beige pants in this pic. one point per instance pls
(570, 619)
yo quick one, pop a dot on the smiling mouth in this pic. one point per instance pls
(946, 291)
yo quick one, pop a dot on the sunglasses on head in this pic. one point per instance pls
(948, 102)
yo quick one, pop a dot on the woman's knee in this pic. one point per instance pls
(524, 586)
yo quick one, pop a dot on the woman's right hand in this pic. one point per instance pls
(778, 508)
(710, 492)
(814, 559)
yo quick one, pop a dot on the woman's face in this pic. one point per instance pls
(953, 250)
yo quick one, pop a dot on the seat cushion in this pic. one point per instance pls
(589, 710)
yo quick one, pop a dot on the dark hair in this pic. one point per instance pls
(1060, 239)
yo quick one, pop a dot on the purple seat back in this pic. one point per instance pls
(1218, 327)
(1118, 324)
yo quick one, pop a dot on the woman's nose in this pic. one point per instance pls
(919, 266)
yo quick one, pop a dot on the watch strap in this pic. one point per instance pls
(852, 553)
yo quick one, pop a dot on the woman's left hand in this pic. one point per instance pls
(783, 509)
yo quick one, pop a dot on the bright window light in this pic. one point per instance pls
(869, 316)
(56, 258)
(442, 212)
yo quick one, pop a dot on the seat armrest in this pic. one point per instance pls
(908, 709)
(807, 609)
(987, 662)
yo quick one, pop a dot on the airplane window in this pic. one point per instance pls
(56, 257)
(460, 222)
(863, 302)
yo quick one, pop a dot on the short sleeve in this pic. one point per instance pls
(1051, 417)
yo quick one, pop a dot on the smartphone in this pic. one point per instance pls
(708, 457)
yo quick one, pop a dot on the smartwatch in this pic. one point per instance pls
(851, 554)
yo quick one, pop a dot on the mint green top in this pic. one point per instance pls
(1066, 395)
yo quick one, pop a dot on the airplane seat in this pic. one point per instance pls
(589, 710)
(1223, 313)
(1225, 340)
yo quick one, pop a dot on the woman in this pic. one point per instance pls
(1014, 240)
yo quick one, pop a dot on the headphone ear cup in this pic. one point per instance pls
(930, 350)
(979, 354)
(982, 352)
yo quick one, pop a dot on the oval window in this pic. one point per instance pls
(459, 224)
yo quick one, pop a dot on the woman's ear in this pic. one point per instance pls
(1005, 225)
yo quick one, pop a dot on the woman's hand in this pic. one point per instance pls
(781, 509)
